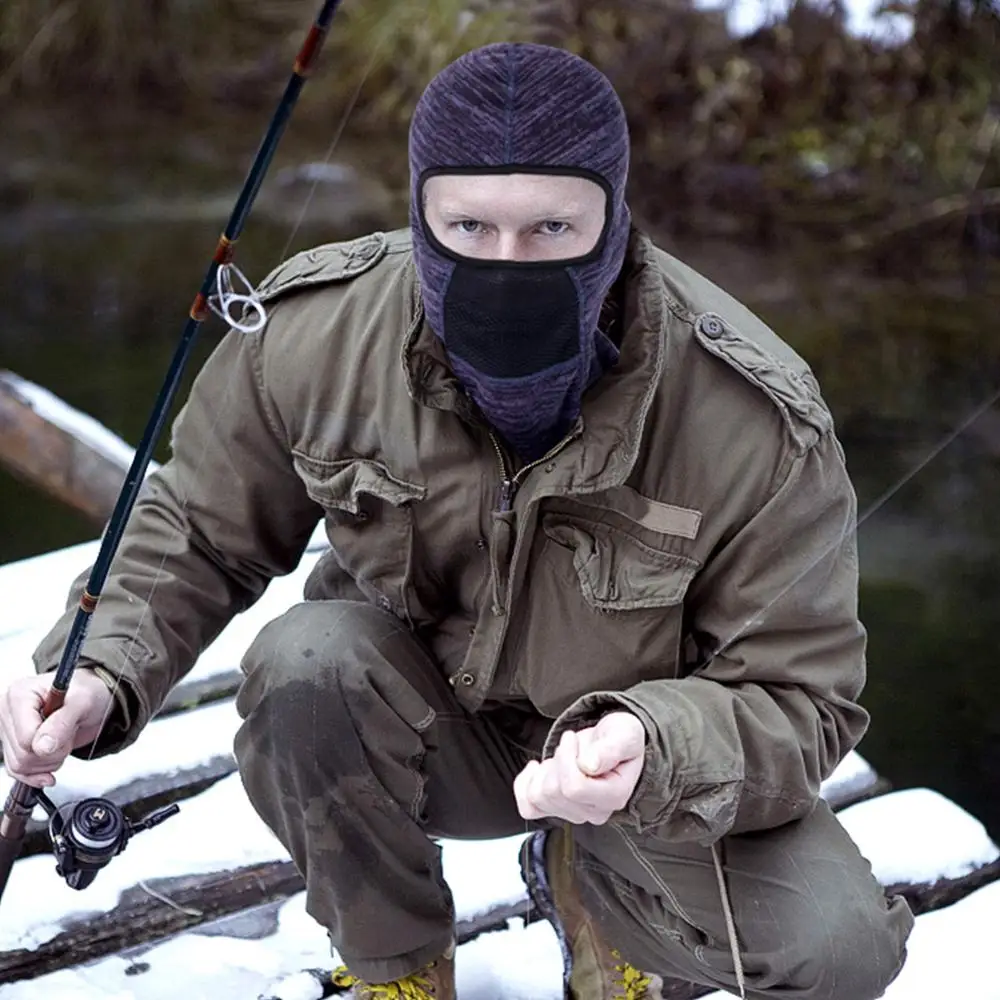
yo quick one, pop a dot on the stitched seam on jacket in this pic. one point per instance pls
(255, 347)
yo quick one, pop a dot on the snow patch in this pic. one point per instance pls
(176, 743)
(950, 955)
(864, 18)
(917, 835)
(852, 776)
(33, 596)
(219, 831)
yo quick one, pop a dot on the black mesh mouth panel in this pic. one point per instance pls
(508, 323)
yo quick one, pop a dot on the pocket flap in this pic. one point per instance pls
(618, 572)
(340, 484)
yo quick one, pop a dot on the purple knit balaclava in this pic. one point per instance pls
(522, 338)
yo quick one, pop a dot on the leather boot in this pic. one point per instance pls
(434, 982)
(592, 969)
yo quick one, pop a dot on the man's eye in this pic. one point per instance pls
(554, 228)
(470, 227)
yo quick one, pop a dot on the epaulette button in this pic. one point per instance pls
(711, 326)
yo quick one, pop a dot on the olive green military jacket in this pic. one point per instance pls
(688, 553)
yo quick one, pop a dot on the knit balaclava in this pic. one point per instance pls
(522, 338)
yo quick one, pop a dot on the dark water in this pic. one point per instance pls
(104, 236)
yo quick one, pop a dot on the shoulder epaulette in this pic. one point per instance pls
(795, 392)
(331, 262)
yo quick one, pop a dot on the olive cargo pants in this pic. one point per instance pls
(355, 753)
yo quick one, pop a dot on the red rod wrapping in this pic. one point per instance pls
(303, 62)
(225, 251)
(199, 308)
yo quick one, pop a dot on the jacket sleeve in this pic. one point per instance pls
(743, 742)
(222, 517)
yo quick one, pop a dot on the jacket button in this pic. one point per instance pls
(711, 326)
(384, 603)
(467, 680)
(481, 544)
(365, 252)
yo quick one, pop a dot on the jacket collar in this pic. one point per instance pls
(614, 408)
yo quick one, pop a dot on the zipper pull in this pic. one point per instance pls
(505, 496)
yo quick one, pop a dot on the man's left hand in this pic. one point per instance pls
(591, 775)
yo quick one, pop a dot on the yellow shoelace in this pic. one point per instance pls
(631, 980)
(413, 987)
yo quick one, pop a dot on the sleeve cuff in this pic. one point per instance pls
(117, 731)
(651, 796)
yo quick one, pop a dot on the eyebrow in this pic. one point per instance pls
(454, 210)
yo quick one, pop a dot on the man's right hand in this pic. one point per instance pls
(33, 747)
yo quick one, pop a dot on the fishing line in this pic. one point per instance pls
(854, 525)
(352, 104)
(990, 126)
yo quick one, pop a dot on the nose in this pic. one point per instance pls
(508, 246)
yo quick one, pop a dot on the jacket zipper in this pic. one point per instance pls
(509, 484)
(506, 487)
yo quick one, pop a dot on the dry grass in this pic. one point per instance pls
(196, 50)
(800, 125)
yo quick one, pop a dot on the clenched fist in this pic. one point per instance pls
(591, 775)
(32, 748)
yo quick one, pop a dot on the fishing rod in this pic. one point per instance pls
(86, 835)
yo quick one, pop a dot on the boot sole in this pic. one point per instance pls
(540, 893)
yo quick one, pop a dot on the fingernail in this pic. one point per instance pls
(45, 744)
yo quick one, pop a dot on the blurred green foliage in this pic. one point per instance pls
(811, 114)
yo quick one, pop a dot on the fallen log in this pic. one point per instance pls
(160, 908)
(190, 694)
(926, 897)
(66, 453)
(153, 910)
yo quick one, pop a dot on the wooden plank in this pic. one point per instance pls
(201, 691)
(161, 908)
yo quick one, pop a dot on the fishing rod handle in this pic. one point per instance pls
(20, 803)
(13, 825)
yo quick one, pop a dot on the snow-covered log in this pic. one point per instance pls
(55, 447)
(216, 858)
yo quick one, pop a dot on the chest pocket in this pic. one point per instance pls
(369, 523)
(620, 573)
(606, 612)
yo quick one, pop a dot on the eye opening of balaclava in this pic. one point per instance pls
(420, 202)
(522, 336)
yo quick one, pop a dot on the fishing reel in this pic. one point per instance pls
(87, 834)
